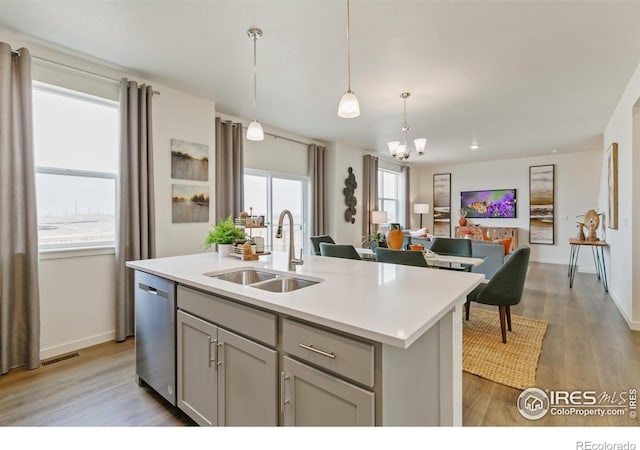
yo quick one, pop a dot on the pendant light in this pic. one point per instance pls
(254, 131)
(348, 107)
(399, 149)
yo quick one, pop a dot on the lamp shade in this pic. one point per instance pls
(378, 217)
(420, 144)
(421, 208)
(349, 107)
(393, 147)
(254, 131)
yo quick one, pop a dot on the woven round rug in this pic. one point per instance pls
(513, 364)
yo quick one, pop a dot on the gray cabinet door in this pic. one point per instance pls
(197, 373)
(247, 382)
(315, 398)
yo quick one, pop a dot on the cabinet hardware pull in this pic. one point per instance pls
(215, 356)
(218, 350)
(320, 352)
(283, 401)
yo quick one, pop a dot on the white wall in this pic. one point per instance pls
(624, 260)
(188, 118)
(340, 157)
(576, 191)
(77, 288)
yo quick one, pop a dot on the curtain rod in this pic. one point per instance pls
(76, 69)
(272, 135)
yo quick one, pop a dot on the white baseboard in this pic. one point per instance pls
(72, 346)
(632, 324)
(581, 269)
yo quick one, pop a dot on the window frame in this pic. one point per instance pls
(93, 247)
(382, 199)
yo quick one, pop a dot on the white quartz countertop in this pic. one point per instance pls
(387, 303)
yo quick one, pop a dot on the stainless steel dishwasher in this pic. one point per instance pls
(155, 321)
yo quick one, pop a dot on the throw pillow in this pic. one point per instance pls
(418, 233)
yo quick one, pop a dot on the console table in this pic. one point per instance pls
(495, 233)
(597, 250)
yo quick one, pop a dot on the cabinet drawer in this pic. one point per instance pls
(342, 355)
(254, 323)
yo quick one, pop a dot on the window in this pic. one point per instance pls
(267, 195)
(75, 145)
(389, 194)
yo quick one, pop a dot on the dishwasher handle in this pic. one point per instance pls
(153, 291)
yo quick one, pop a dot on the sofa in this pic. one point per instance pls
(492, 252)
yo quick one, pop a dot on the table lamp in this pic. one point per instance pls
(378, 217)
(421, 208)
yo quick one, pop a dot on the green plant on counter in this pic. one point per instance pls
(225, 232)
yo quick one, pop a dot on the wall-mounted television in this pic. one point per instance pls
(492, 204)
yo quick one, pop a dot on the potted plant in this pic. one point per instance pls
(376, 237)
(224, 234)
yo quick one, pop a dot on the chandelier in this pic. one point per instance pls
(402, 150)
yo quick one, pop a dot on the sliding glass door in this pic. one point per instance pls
(267, 195)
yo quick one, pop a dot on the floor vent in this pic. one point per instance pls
(50, 361)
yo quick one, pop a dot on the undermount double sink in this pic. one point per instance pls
(267, 281)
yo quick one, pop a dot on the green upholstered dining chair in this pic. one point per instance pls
(315, 242)
(504, 289)
(404, 257)
(338, 250)
(448, 246)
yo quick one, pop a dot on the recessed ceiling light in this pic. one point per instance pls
(474, 146)
(554, 151)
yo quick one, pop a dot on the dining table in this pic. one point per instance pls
(432, 259)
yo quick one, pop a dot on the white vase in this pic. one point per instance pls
(225, 249)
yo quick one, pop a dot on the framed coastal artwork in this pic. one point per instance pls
(612, 186)
(189, 203)
(189, 161)
(541, 204)
(442, 204)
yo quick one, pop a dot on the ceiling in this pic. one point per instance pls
(520, 78)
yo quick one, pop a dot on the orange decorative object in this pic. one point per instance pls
(462, 221)
(418, 247)
(394, 236)
(507, 245)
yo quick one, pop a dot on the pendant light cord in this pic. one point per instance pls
(255, 116)
(348, 52)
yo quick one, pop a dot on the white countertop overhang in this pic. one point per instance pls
(387, 303)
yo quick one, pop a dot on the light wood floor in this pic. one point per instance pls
(588, 346)
(97, 388)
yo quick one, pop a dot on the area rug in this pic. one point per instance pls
(512, 364)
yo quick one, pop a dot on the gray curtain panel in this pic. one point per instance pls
(19, 294)
(229, 169)
(319, 222)
(369, 191)
(405, 177)
(136, 215)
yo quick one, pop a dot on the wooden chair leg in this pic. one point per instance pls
(509, 318)
(467, 307)
(502, 311)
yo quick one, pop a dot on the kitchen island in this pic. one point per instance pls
(363, 344)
